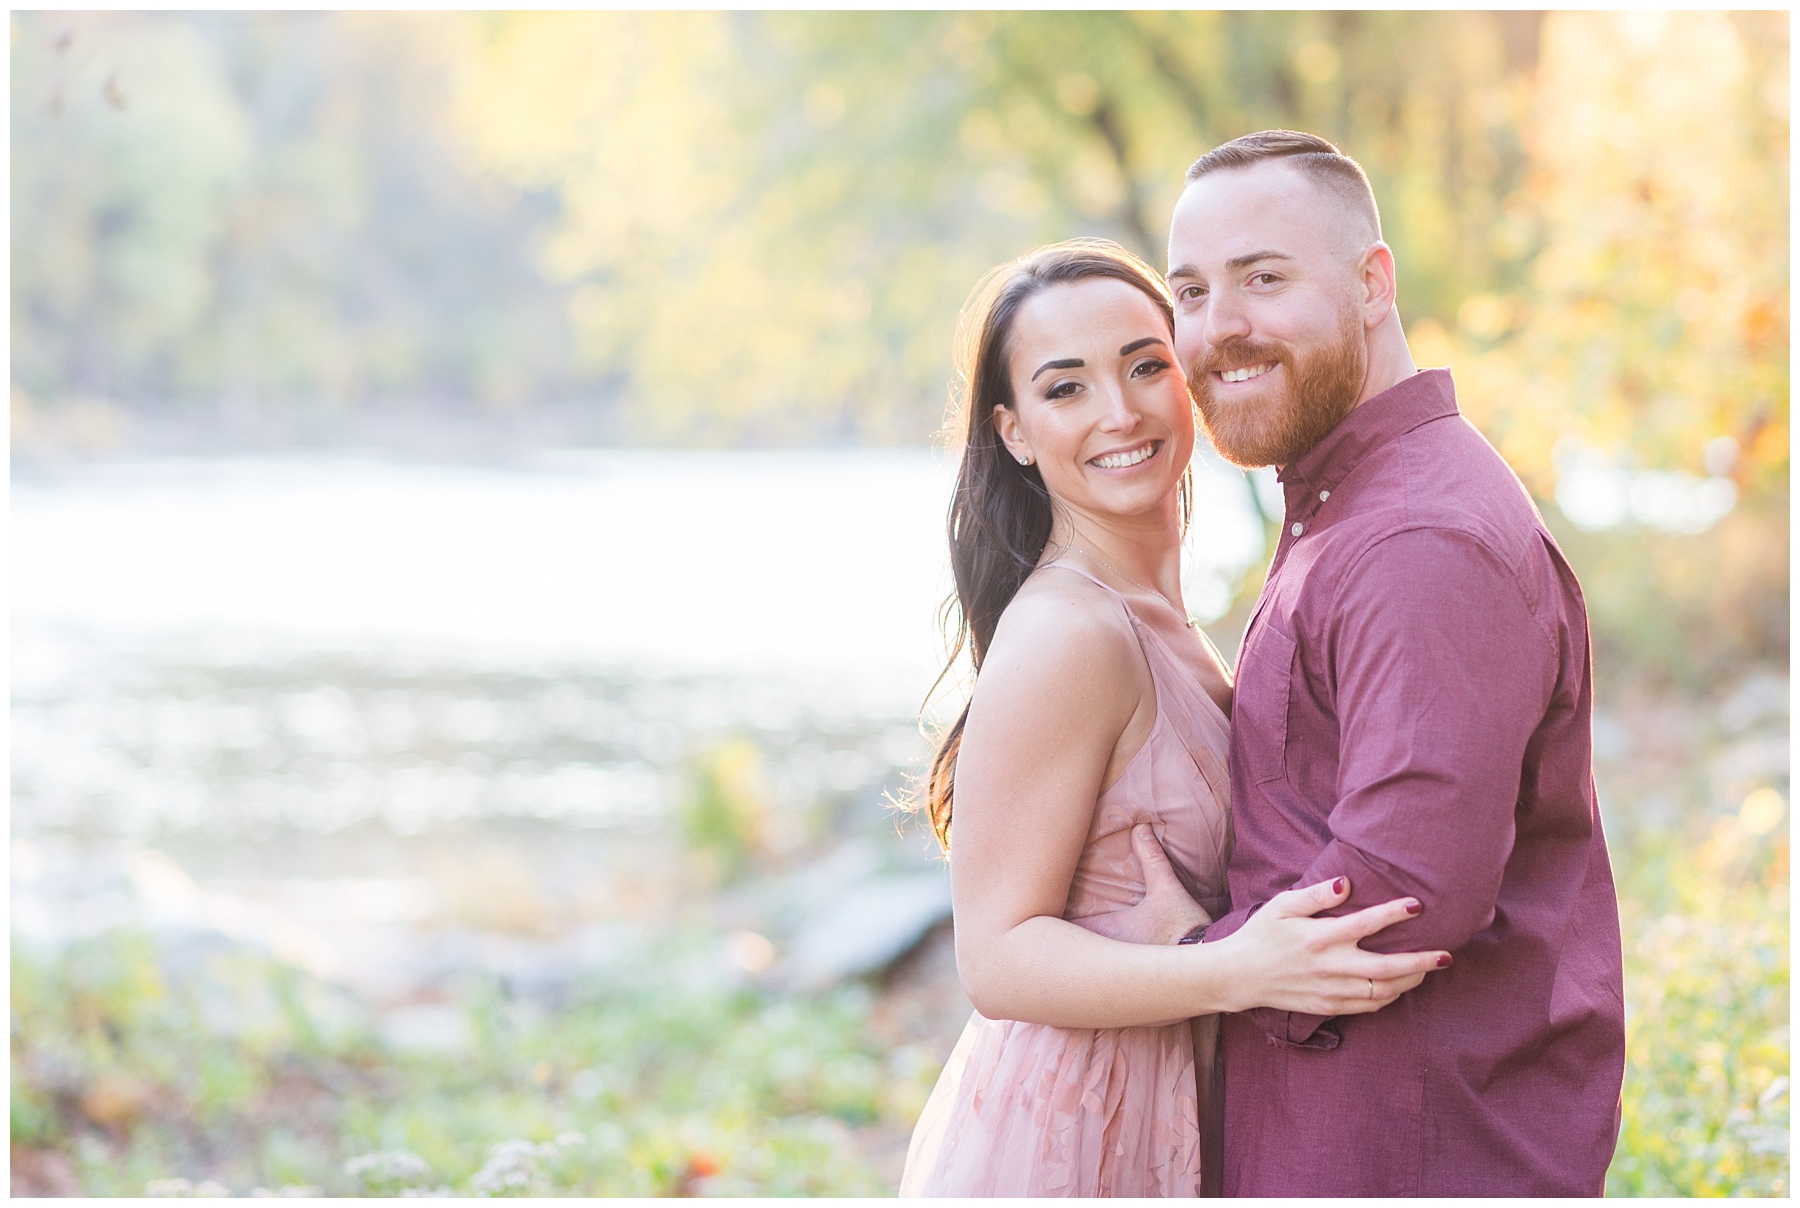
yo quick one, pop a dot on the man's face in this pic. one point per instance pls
(1264, 265)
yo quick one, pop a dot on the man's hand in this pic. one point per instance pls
(1167, 912)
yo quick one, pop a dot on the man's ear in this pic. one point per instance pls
(1376, 286)
(1006, 425)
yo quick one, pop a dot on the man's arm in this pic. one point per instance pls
(1062, 679)
(1441, 676)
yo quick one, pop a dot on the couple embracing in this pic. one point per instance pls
(1345, 925)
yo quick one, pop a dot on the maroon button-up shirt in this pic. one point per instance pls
(1412, 711)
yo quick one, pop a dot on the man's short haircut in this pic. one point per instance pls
(1322, 163)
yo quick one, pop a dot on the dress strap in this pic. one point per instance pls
(1096, 581)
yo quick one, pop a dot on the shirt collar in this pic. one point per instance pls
(1427, 395)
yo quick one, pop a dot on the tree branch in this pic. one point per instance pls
(1106, 122)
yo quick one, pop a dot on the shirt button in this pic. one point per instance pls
(1324, 495)
(1297, 529)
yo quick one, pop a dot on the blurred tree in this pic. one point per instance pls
(254, 209)
(759, 227)
(1653, 323)
(815, 191)
(763, 245)
(128, 153)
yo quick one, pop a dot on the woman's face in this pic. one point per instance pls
(1099, 402)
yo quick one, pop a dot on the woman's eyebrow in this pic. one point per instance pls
(1143, 343)
(1065, 363)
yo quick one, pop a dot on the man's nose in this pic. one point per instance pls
(1225, 319)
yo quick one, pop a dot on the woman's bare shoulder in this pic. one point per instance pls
(1062, 633)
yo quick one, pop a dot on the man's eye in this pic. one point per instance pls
(1265, 278)
(1188, 293)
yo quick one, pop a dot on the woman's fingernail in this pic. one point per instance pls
(1414, 906)
(1444, 961)
(1337, 886)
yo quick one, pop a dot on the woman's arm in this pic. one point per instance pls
(1063, 681)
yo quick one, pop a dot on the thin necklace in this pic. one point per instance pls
(1192, 622)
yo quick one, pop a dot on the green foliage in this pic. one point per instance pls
(1706, 985)
(724, 813)
(649, 1083)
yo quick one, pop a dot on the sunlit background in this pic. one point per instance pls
(477, 536)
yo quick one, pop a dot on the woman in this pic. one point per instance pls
(1094, 742)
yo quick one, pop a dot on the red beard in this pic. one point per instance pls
(1323, 387)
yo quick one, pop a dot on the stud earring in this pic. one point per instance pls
(1024, 461)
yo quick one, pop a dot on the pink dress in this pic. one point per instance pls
(1026, 1109)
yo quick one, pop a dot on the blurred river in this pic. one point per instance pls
(656, 560)
(374, 690)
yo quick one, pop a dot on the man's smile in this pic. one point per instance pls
(1246, 372)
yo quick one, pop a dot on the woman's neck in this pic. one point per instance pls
(1144, 550)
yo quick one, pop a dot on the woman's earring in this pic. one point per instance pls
(1024, 460)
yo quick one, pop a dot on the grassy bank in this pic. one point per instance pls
(1706, 991)
(133, 1072)
(246, 1075)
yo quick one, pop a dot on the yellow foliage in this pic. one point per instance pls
(1660, 295)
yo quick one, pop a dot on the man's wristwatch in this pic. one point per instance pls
(1194, 936)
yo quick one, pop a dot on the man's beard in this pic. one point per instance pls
(1323, 388)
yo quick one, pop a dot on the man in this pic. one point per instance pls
(1412, 713)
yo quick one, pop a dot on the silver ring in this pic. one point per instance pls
(1371, 982)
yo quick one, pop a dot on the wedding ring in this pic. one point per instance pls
(1371, 982)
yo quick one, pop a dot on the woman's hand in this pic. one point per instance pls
(1166, 912)
(1290, 961)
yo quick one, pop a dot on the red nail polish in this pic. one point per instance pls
(1414, 907)
(1444, 961)
(1337, 886)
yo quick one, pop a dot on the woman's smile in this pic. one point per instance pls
(1126, 459)
(1101, 409)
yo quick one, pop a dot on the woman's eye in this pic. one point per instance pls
(1062, 390)
(1149, 368)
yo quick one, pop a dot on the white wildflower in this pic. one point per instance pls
(512, 1169)
(387, 1169)
(183, 1189)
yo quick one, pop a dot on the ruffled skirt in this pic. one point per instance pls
(1030, 1110)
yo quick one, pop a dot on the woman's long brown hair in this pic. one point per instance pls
(1000, 513)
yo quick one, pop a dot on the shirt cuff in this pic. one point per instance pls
(1229, 924)
(1295, 1029)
